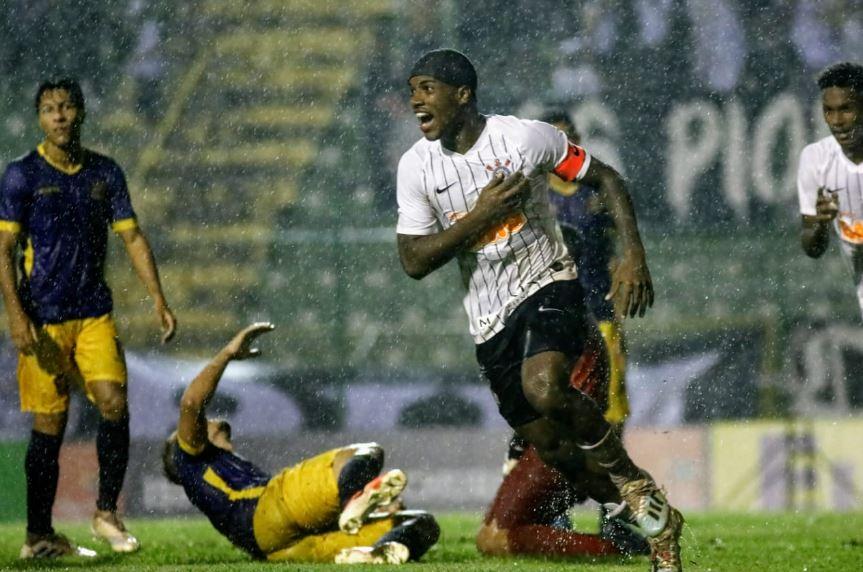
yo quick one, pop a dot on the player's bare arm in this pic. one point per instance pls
(631, 285)
(421, 255)
(141, 255)
(815, 233)
(192, 426)
(21, 328)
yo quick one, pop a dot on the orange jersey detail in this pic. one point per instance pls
(851, 230)
(511, 225)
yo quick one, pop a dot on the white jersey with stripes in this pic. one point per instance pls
(824, 165)
(436, 187)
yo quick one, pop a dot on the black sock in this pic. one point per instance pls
(418, 531)
(358, 471)
(112, 449)
(610, 454)
(42, 470)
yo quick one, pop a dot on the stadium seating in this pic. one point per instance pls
(243, 124)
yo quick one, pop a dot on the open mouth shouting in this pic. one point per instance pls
(426, 120)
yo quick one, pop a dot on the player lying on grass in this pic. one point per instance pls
(529, 514)
(522, 518)
(332, 507)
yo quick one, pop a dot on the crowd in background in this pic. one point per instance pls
(639, 57)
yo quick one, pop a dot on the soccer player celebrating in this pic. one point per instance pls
(475, 189)
(830, 174)
(56, 203)
(332, 507)
(529, 514)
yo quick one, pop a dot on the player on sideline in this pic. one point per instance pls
(56, 202)
(320, 510)
(474, 188)
(830, 173)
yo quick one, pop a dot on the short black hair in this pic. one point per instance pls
(843, 74)
(68, 84)
(448, 66)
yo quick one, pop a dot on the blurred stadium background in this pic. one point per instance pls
(260, 140)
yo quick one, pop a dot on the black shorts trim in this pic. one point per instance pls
(553, 319)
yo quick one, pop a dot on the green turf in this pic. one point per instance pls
(714, 542)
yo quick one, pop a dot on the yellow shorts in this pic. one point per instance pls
(297, 514)
(618, 401)
(68, 354)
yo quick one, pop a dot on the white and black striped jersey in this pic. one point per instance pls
(436, 187)
(824, 165)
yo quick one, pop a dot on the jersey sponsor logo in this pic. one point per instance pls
(510, 226)
(45, 191)
(99, 191)
(500, 167)
(439, 190)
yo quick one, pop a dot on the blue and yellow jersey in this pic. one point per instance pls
(579, 206)
(62, 216)
(226, 488)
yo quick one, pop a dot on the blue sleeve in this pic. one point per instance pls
(121, 204)
(14, 198)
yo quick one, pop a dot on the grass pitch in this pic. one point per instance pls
(712, 542)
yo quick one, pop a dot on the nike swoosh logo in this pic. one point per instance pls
(547, 309)
(442, 189)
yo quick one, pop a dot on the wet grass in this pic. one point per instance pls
(712, 542)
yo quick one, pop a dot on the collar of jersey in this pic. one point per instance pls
(68, 170)
(474, 147)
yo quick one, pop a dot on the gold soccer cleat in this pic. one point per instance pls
(53, 546)
(112, 531)
(660, 523)
(665, 548)
(376, 494)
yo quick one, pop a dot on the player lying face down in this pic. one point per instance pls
(333, 507)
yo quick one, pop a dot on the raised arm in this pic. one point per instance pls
(141, 255)
(420, 255)
(631, 285)
(192, 425)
